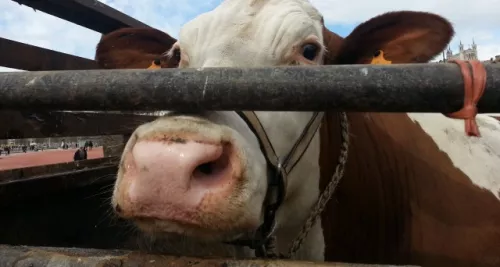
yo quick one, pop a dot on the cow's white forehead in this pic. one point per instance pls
(248, 32)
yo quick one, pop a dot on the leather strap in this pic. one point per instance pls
(296, 152)
(281, 167)
(474, 85)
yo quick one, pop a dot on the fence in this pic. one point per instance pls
(389, 88)
(48, 197)
(29, 100)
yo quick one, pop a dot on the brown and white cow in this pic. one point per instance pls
(416, 188)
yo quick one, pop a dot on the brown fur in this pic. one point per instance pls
(405, 37)
(134, 48)
(332, 42)
(401, 200)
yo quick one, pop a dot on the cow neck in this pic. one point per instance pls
(402, 200)
(388, 171)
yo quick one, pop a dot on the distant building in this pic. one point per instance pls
(463, 54)
(496, 59)
(466, 54)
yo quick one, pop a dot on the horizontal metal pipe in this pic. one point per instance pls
(44, 172)
(55, 183)
(65, 124)
(378, 88)
(36, 58)
(41, 257)
(90, 14)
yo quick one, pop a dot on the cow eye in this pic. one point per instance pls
(310, 51)
(177, 54)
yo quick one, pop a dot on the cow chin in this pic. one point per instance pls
(190, 177)
(209, 232)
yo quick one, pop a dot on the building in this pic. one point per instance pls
(496, 59)
(463, 54)
(466, 54)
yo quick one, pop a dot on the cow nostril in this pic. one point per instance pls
(118, 209)
(206, 168)
(214, 168)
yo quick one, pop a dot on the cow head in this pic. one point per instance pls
(204, 175)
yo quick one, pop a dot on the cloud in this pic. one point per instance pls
(20, 23)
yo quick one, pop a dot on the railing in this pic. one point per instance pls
(389, 88)
(50, 204)
(32, 102)
(93, 15)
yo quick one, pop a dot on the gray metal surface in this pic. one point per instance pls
(57, 124)
(19, 185)
(376, 88)
(61, 257)
(22, 56)
(91, 14)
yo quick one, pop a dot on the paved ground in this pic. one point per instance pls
(30, 159)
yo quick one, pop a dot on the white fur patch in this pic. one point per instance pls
(248, 33)
(478, 158)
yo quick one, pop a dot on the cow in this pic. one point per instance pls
(416, 189)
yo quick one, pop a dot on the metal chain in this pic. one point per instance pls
(324, 197)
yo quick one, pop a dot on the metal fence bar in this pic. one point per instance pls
(375, 88)
(90, 14)
(23, 56)
(27, 183)
(41, 257)
(46, 171)
(65, 124)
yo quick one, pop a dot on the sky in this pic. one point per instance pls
(472, 19)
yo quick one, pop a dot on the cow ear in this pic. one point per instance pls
(403, 37)
(332, 43)
(133, 48)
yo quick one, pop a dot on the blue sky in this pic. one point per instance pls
(479, 21)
